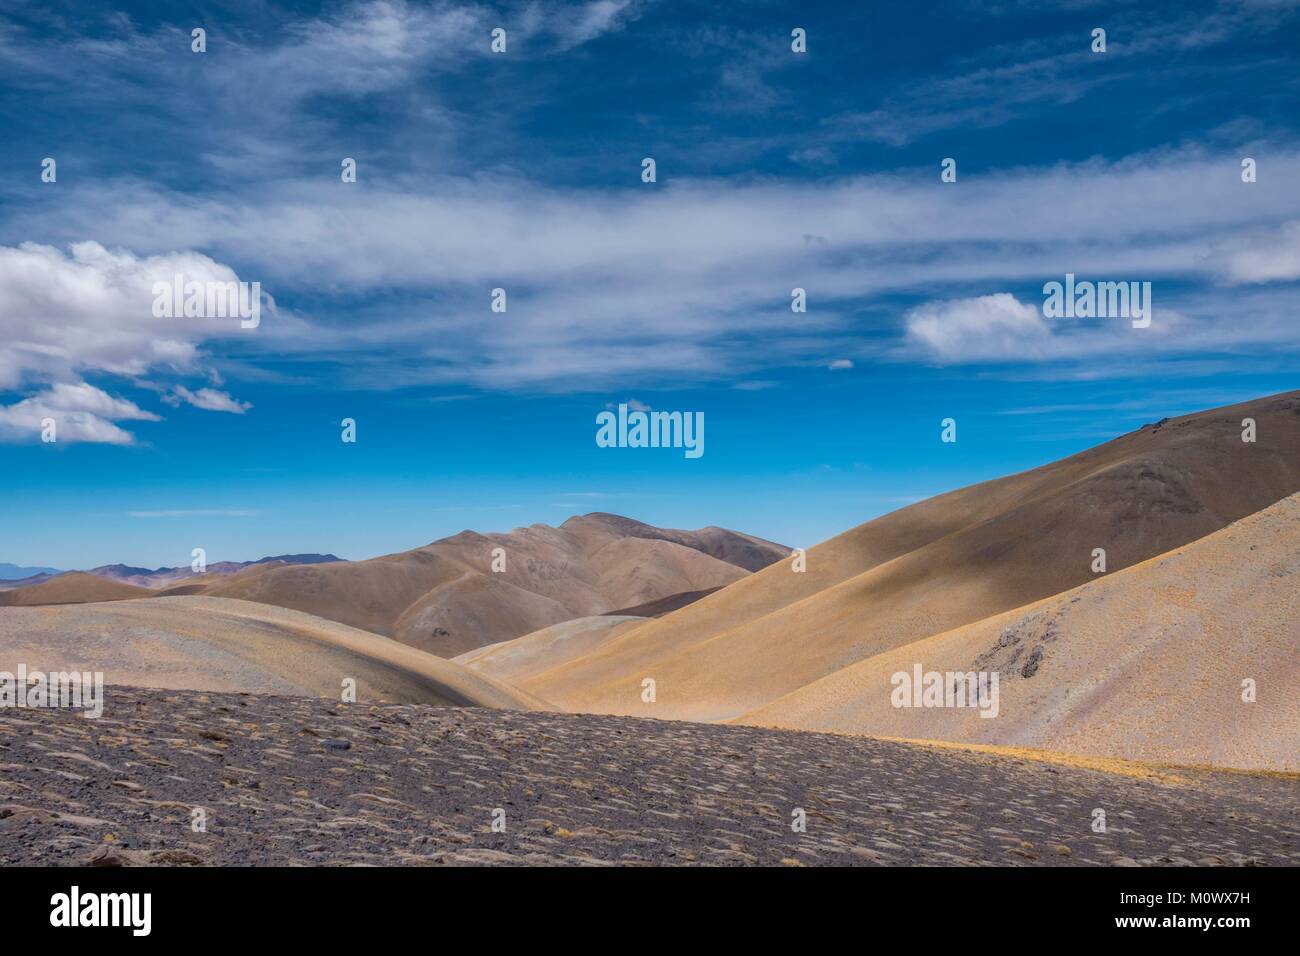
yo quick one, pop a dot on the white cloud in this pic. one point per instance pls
(81, 413)
(690, 280)
(209, 399)
(64, 315)
(369, 47)
(1271, 256)
(986, 327)
(591, 20)
(840, 364)
(450, 231)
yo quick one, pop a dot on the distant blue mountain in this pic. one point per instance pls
(125, 572)
(12, 572)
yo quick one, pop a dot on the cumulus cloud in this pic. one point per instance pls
(994, 327)
(210, 399)
(1000, 328)
(91, 309)
(86, 309)
(80, 412)
(66, 314)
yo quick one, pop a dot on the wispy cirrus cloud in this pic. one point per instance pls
(692, 281)
(684, 281)
(1043, 73)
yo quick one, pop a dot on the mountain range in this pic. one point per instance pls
(1137, 599)
(12, 572)
(158, 577)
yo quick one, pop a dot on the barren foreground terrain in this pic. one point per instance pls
(285, 780)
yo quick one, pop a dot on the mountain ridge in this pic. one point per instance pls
(942, 563)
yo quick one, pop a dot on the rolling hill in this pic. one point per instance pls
(446, 599)
(953, 560)
(74, 587)
(1147, 663)
(218, 644)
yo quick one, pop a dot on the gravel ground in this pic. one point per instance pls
(291, 780)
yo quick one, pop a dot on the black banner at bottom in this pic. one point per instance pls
(337, 904)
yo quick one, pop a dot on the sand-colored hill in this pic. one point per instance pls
(445, 598)
(949, 561)
(75, 587)
(1147, 663)
(196, 584)
(452, 617)
(218, 644)
(517, 660)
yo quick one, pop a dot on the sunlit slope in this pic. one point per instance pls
(519, 659)
(218, 644)
(75, 587)
(1148, 663)
(948, 561)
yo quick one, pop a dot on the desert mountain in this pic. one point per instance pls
(75, 587)
(445, 598)
(1147, 663)
(165, 577)
(217, 644)
(159, 578)
(950, 561)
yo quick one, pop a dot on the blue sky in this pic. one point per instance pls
(522, 171)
